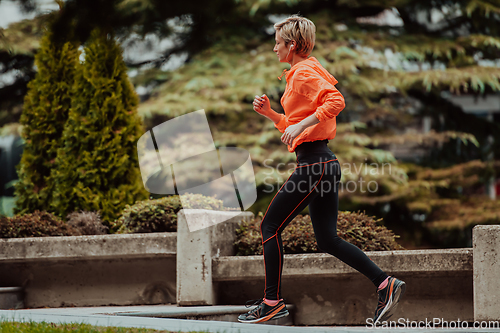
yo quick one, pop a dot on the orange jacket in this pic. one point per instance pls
(310, 89)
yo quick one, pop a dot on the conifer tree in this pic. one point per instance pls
(97, 166)
(46, 108)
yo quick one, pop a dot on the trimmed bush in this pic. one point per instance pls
(160, 215)
(298, 237)
(87, 223)
(37, 224)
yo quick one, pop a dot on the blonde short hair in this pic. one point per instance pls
(299, 29)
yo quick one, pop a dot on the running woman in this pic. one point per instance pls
(311, 102)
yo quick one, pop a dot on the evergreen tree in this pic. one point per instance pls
(97, 167)
(46, 108)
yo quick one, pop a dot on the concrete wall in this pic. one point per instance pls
(193, 268)
(91, 270)
(325, 291)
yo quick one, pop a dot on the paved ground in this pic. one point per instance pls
(147, 317)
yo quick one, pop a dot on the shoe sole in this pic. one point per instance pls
(392, 304)
(266, 318)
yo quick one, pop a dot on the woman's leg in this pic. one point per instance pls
(295, 194)
(323, 209)
(324, 212)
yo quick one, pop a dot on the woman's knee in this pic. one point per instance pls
(267, 229)
(328, 244)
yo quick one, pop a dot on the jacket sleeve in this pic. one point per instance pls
(333, 103)
(328, 100)
(282, 124)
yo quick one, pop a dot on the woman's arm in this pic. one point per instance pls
(262, 105)
(294, 131)
(273, 115)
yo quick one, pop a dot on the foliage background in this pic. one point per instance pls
(393, 77)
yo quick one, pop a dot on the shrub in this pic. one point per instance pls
(97, 168)
(37, 224)
(87, 223)
(160, 215)
(45, 111)
(298, 237)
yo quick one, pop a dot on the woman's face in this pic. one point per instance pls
(281, 49)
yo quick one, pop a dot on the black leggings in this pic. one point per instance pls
(314, 182)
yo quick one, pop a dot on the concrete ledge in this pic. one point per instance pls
(326, 291)
(88, 247)
(324, 265)
(126, 269)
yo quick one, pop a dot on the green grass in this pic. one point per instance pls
(43, 327)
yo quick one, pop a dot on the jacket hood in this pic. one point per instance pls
(314, 64)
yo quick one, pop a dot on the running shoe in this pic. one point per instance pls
(388, 299)
(263, 312)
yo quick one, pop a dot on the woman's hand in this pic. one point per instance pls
(262, 105)
(291, 133)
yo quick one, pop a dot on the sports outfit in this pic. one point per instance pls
(314, 182)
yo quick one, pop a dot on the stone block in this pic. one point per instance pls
(196, 249)
(486, 242)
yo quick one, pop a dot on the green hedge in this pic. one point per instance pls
(298, 237)
(87, 223)
(160, 215)
(37, 224)
(42, 223)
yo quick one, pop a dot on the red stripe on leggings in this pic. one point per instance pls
(262, 235)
